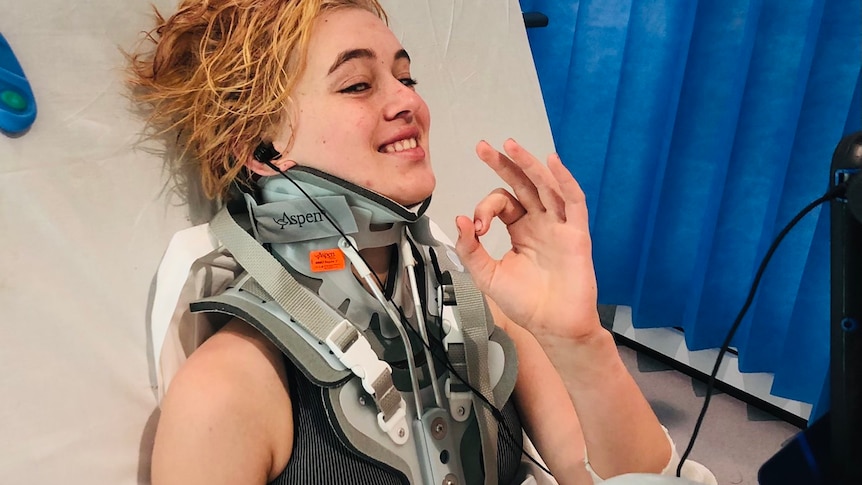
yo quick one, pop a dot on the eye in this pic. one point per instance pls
(409, 81)
(356, 88)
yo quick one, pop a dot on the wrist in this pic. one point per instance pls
(585, 357)
(584, 331)
(596, 340)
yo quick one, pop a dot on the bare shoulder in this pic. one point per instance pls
(226, 417)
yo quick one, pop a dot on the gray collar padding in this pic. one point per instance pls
(287, 216)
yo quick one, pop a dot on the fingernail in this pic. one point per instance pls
(459, 229)
(478, 225)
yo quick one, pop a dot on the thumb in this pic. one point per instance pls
(472, 253)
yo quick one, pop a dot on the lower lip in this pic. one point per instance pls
(414, 154)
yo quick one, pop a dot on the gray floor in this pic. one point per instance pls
(735, 439)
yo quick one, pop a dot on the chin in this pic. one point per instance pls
(427, 192)
(413, 199)
(417, 191)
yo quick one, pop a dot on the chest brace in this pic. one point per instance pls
(339, 338)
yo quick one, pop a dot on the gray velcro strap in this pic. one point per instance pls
(458, 358)
(476, 325)
(471, 307)
(387, 398)
(345, 338)
(504, 387)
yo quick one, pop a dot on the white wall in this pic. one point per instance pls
(84, 217)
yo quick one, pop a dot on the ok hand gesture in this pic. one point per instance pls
(546, 281)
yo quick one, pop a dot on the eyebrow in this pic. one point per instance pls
(362, 54)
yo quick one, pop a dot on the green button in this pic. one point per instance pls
(13, 100)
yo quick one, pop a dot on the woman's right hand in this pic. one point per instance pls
(546, 281)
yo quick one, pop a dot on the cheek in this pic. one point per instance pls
(363, 123)
(345, 137)
(422, 111)
(423, 119)
(356, 125)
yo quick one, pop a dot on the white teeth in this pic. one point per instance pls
(401, 145)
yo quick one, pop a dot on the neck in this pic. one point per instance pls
(379, 260)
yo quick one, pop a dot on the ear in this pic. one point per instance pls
(256, 162)
(263, 169)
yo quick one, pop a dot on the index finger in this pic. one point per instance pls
(512, 174)
(546, 185)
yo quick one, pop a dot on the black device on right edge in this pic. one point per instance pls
(830, 450)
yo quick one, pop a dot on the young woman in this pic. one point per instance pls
(257, 92)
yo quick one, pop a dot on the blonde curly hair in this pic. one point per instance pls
(218, 74)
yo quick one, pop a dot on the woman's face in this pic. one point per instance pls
(356, 114)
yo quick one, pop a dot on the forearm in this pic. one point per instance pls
(547, 412)
(547, 284)
(621, 432)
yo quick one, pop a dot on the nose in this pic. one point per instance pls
(402, 101)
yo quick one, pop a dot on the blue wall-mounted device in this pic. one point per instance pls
(17, 103)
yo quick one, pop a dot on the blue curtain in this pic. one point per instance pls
(698, 129)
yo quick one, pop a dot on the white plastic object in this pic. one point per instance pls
(361, 359)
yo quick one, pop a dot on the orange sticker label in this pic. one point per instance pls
(326, 260)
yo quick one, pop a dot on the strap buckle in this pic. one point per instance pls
(354, 351)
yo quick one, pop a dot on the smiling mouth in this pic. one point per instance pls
(400, 146)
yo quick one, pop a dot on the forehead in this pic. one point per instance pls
(349, 28)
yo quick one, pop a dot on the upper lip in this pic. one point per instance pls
(405, 134)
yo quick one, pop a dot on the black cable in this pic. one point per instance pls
(832, 193)
(498, 415)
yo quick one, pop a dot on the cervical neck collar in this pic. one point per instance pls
(298, 233)
(358, 211)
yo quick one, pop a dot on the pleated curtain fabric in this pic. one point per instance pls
(698, 130)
